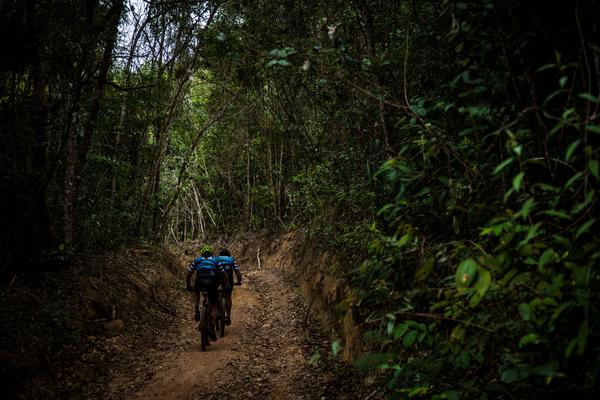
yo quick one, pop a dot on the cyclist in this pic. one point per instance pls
(209, 274)
(230, 267)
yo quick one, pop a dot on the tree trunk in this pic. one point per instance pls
(77, 152)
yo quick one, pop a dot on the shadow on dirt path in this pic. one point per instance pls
(265, 352)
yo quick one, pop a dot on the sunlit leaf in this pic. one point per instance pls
(503, 165)
(466, 273)
(589, 97)
(336, 347)
(517, 181)
(529, 339)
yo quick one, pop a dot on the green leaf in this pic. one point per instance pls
(559, 311)
(518, 149)
(556, 128)
(573, 179)
(582, 337)
(465, 76)
(530, 338)
(593, 128)
(509, 375)
(571, 149)
(403, 240)
(466, 273)
(557, 213)
(570, 348)
(314, 360)
(547, 369)
(588, 96)
(336, 347)
(409, 338)
(532, 232)
(400, 330)
(563, 81)
(503, 165)
(425, 269)
(548, 188)
(547, 257)
(385, 208)
(517, 180)
(593, 166)
(484, 279)
(551, 96)
(585, 227)
(545, 67)
(525, 311)
(526, 208)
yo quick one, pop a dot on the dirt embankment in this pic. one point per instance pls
(65, 332)
(326, 295)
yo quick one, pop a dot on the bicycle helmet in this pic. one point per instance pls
(206, 251)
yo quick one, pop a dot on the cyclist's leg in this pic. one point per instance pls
(197, 303)
(228, 305)
(228, 296)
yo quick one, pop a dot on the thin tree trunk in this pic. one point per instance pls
(248, 206)
(125, 102)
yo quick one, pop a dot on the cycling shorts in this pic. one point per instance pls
(209, 285)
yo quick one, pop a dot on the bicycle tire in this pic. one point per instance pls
(221, 319)
(204, 330)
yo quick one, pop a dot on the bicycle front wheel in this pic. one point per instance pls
(221, 318)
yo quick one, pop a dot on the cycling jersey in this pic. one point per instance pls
(207, 276)
(227, 263)
(205, 266)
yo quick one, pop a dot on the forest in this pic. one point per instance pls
(447, 152)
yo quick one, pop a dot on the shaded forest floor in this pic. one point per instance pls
(121, 326)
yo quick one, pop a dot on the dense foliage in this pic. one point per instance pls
(448, 150)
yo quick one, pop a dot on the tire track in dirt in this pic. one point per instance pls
(263, 355)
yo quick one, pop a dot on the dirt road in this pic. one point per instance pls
(268, 352)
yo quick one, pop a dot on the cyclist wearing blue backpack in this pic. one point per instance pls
(209, 274)
(230, 267)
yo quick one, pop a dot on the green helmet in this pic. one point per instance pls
(206, 249)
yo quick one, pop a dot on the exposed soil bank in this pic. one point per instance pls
(325, 295)
(65, 332)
